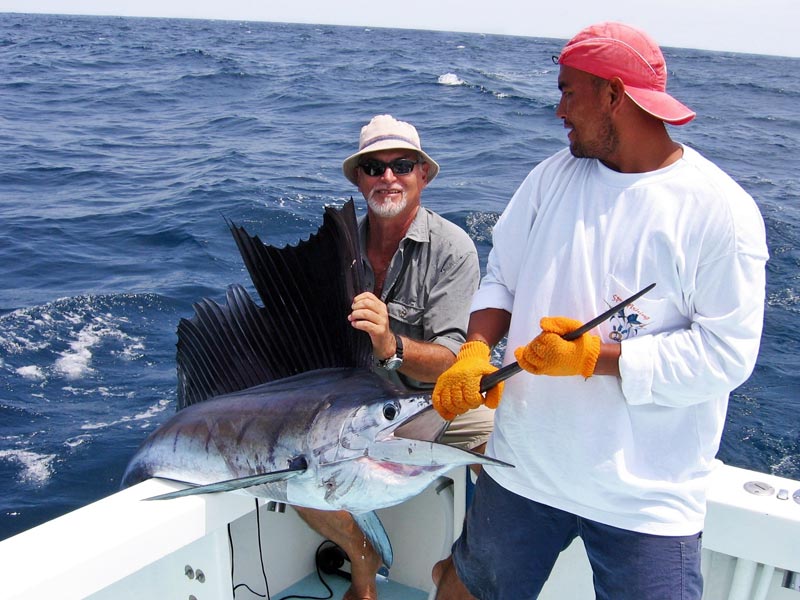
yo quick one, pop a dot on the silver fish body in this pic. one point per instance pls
(339, 422)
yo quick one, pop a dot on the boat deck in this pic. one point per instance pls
(311, 586)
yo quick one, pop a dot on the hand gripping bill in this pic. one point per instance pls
(458, 388)
(550, 354)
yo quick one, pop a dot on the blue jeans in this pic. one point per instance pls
(510, 544)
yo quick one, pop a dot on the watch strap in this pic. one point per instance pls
(395, 360)
(399, 343)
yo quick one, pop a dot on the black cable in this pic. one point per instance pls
(319, 575)
(264, 572)
(260, 558)
(260, 552)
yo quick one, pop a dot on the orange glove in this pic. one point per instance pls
(550, 354)
(458, 388)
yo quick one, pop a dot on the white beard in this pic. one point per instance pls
(387, 208)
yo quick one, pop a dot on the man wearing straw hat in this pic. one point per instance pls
(614, 434)
(422, 270)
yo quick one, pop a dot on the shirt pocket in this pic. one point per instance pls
(643, 316)
(408, 318)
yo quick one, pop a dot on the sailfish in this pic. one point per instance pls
(280, 401)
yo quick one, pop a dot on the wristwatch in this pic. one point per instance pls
(393, 362)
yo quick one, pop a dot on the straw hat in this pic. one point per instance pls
(384, 132)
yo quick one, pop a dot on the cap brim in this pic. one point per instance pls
(350, 163)
(661, 105)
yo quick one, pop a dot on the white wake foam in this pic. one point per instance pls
(36, 468)
(450, 79)
(145, 415)
(30, 372)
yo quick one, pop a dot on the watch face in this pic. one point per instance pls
(393, 363)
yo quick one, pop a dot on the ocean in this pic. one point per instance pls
(125, 143)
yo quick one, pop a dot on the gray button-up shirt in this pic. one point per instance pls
(429, 285)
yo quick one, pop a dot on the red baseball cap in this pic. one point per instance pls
(610, 50)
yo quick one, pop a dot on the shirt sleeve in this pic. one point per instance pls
(717, 351)
(446, 313)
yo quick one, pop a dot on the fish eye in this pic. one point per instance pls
(391, 410)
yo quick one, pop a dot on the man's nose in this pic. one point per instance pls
(560, 109)
(388, 174)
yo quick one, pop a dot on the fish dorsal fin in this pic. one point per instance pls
(307, 291)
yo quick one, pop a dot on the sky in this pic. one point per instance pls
(750, 26)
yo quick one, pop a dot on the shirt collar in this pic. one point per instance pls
(418, 231)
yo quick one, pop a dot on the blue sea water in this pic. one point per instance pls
(125, 142)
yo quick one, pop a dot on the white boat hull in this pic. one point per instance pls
(124, 548)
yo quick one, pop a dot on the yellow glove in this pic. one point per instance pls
(458, 388)
(550, 354)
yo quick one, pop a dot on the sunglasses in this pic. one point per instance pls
(399, 166)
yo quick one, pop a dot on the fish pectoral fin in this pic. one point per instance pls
(428, 454)
(298, 466)
(373, 530)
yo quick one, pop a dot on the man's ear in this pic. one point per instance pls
(616, 91)
(424, 170)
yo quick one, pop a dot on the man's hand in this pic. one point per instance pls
(369, 314)
(550, 354)
(458, 389)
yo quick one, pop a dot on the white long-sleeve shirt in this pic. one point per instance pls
(632, 452)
